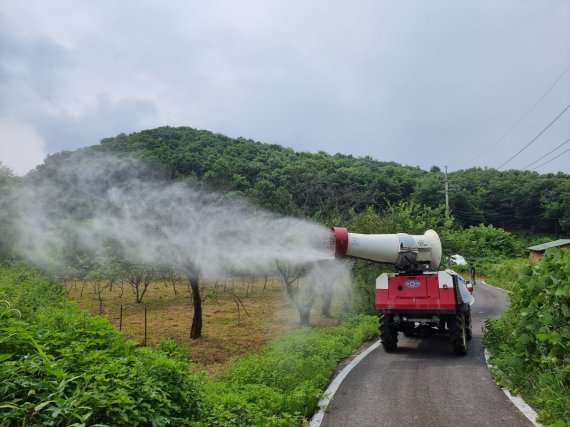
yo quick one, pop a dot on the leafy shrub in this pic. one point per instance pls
(531, 341)
(29, 291)
(485, 241)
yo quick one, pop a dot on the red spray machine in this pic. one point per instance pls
(416, 300)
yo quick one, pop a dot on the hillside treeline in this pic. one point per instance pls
(332, 188)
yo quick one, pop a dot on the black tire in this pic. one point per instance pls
(468, 325)
(388, 333)
(459, 334)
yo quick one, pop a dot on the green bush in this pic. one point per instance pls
(29, 291)
(531, 341)
(484, 241)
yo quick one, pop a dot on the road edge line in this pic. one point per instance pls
(334, 385)
(496, 287)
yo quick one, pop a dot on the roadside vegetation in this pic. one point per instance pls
(530, 341)
(61, 366)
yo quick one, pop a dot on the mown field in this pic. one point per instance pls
(240, 315)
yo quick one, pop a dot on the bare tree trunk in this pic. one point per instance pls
(327, 299)
(100, 298)
(304, 316)
(194, 282)
(100, 288)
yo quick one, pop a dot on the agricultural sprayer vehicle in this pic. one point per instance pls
(417, 299)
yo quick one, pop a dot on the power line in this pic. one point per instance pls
(462, 215)
(551, 151)
(525, 115)
(564, 152)
(500, 209)
(537, 136)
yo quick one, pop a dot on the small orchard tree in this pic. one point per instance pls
(302, 296)
(139, 276)
(105, 272)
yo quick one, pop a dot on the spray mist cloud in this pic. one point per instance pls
(88, 201)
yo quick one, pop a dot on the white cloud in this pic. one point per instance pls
(21, 148)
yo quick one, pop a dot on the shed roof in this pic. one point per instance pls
(553, 244)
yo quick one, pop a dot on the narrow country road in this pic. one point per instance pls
(425, 384)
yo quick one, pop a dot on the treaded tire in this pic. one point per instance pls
(388, 333)
(459, 334)
(468, 325)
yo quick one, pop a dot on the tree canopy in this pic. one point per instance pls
(332, 187)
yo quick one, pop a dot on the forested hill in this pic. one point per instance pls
(334, 187)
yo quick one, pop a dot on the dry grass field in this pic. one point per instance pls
(226, 333)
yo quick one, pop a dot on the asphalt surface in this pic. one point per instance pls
(424, 384)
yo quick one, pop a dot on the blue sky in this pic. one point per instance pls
(416, 82)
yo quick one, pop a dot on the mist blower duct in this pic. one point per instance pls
(405, 251)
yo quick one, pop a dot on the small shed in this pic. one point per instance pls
(537, 252)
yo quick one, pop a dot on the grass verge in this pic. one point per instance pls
(504, 273)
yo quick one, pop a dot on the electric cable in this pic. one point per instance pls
(524, 116)
(551, 151)
(537, 136)
(554, 158)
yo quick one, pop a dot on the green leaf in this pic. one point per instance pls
(42, 405)
(547, 318)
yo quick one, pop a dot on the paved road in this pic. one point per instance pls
(424, 384)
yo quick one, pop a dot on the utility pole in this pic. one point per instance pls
(446, 182)
(446, 191)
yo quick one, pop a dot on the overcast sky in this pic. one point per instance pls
(417, 82)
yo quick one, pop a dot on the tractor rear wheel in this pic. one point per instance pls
(468, 325)
(459, 334)
(388, 332)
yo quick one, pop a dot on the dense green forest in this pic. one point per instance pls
(335, 187)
